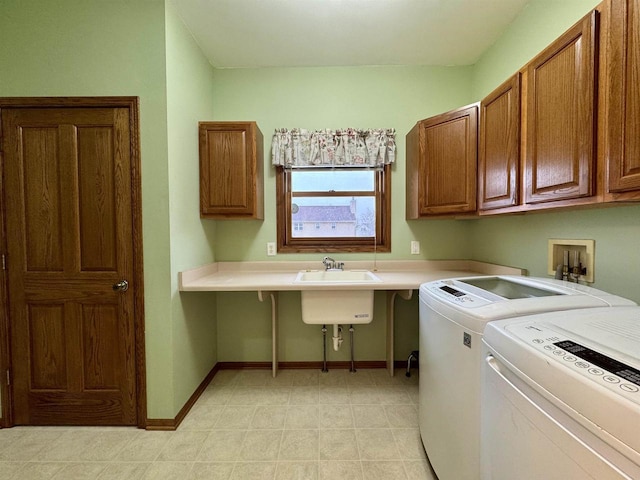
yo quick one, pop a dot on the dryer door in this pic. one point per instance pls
(524, 436)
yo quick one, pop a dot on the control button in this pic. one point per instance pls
(549, 347)
(629, 388)
(559, 353)
(595, 371)
(582, 364)
(569, 358)
(538, 341)
(611, 379)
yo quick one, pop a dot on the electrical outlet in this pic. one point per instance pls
(271, 249)
(415, 247)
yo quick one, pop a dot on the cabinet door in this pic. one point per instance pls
(560, 117)
(499, 147)
(448, 162)
(231, 166)
(622, 151)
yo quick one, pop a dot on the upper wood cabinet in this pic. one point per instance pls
(499, 147)
(231, 170)
(620, 84)
(561, 117)
(563, 132)
(441, 164)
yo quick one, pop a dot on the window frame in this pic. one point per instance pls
(380, 243)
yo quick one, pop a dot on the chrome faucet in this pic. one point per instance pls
(330, 264)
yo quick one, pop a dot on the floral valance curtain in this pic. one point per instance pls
(345, 148)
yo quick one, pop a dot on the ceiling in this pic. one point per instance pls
(313, 33)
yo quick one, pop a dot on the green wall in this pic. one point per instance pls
(522, 240)
(99, 48)
(397, 97)
(123, 47)
(314, 98)
(189, 100)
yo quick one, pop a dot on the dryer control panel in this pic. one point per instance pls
(615, 375)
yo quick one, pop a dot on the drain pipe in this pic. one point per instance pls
(324, 349)
(337, 336)
(353, 363)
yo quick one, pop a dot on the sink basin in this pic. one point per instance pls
(336, 276)
(336, 306)
(341, 307)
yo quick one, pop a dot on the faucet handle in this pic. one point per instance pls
(329, 263)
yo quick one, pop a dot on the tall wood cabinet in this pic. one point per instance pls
(561, 117)
(441, 164)
(231, 170)
(499, 147)
(621, 85)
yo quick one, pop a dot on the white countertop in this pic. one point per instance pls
(280, 276)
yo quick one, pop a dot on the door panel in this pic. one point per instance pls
(47, 344)
(623, 115)
(97, 199)
(100, 346)
(561, 99)
(43, 214)
(499, 148)
(67, 173)
(448, 164)
(228, 165)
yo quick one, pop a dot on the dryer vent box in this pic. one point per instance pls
(583, 250)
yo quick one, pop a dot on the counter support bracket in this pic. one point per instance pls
(391, 298)
(262, 296)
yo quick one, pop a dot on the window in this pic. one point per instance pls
(334, 209)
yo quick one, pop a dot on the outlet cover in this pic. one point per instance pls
(586, 253)
(415, 247)
(271, 249)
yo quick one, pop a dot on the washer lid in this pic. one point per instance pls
(510, 289)
(463, 301)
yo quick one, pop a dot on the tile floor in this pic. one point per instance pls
(303, 425)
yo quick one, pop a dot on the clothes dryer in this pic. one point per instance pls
(561, 396)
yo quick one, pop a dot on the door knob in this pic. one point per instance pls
(121, 286)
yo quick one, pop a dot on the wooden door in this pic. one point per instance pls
(622, 151)
(68, 192)
(499, 147)
(561, 120)
(448, 162)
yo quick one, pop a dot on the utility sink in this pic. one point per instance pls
(336, 276)
(339, 306)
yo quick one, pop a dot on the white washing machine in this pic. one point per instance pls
(453, 315)
(561, 396)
